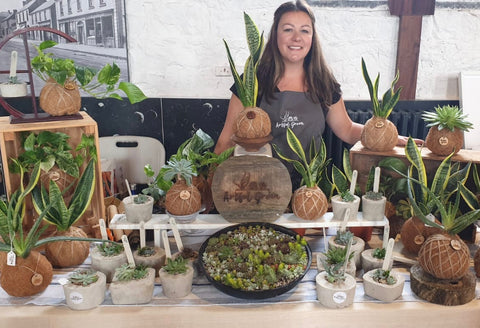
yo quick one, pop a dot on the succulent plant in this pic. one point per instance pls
(373, 195)
(379, 253)
(347, 196)
(128, 272)
(336, 255)
(176, 266)
(140, 199)
(383, 277)
(147, 251)
(110, 248)
(447, 117)
(335, 272)
(83, 277)
(343, 237)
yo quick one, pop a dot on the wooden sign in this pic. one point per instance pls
(251, 188)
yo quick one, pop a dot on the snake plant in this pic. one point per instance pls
(247, 85)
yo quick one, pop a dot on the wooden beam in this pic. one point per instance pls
(411, 7)
(409, 35)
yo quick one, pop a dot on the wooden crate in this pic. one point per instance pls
(363, 159)
(10, 145)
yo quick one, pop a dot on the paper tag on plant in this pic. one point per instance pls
(11, 258)
(63, 281)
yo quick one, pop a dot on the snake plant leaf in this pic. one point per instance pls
(373, 90)
(463, 221)
(442, 175)
(250, 82)
(253, 34)
(83, 194)
(395, 164)
(415, 157)
(296, 145)
(469, 197)
(236, 77)
(339, 180)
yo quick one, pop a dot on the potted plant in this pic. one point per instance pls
(335, 288)
(373, 258)
(252, 127)
(308, 201)
(447, 125)
(191, 256)
(380, 134)
(85, 289)
(26, 271)
(341, 240)
(384, 285)
(151, 257)
(176, 277)
(183, 200)
(108, 256)
(345, 197)
(336, 255)
(443, 185)
(132, 284)
(138, 208)
(13, 87)
(373, 202)
(63, 217)
(61, 95)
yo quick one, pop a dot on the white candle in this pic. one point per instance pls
(13, 64)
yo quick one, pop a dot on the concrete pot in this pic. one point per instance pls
(369, 262)
(135, 213)
(191, 261)
(373, 210)
(178, 285)
(357, 247)
(107, 264)
(88, 297)
(339, 207)
(383, 292)
(133, 291)
(335, 296)
(11, 90)
(351, 267)
(155, 261)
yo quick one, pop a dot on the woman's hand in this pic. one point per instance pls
(402, 141)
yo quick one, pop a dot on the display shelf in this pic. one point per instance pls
(160, 222)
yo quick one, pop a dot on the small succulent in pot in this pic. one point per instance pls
(85, 289)
(83, 277)
(447, 125)
(176, 277)
(308, 201)
(383, 277)
(132, 284)
(380, 134)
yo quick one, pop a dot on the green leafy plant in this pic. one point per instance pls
(46, 66)
(383, 277)
(310, 169)
(109, 248)
(52, 203)
(147, 251)
(336, 255)
(128, 272)
(379, 253)
(140, 199)
(447, 117)
(335, 272)
(83, 277)
(176, 266)
(343, 237)
(14, 80)
(247, 85)
(384, 107)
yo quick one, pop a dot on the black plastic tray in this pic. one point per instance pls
(257, 294)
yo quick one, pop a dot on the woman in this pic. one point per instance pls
(296, 87)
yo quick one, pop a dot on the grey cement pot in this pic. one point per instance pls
(383, 292)
(357, 247)
(373, 210)
(88, 297)
(335, 296)
(178, 285)
(107, 264)
(136, 213)
(191, 261)
(155, 261)
(12, 90)
(351, 267)
(133, 291)
(339, 207)
(369, 262)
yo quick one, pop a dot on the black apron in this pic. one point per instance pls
(295, 110)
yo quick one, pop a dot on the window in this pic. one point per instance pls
(79, 5)
(69, 6)
(61, 8)
(102, 3)
(90, 4)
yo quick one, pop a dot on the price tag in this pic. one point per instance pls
(11, 258)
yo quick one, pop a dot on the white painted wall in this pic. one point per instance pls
(175, 45)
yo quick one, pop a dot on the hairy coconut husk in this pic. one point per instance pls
(68, 253)
(414, 233)
(379, 134)
(444, 256)
(28, 277)
(58, 100)
(309, 203)
(252, 122)
(444, 142)
(476, 262)
(182, 199)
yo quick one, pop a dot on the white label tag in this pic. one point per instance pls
(339, 297)
(11, 258)
(76, 298)
(63, 281)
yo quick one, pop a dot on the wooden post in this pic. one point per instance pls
(409, 35)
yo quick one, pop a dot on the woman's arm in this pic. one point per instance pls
(224, 141)
(341, 124)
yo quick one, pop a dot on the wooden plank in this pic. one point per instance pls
(409, 35)
(411, 7)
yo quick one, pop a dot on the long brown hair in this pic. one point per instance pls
(321, 83)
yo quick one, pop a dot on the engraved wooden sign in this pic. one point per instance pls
(251, 188)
